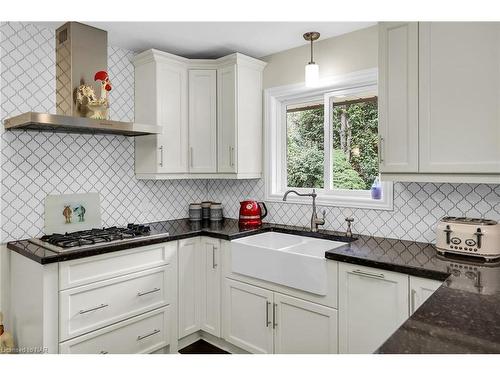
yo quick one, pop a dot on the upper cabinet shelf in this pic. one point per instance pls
(210, 113)
(439, 98)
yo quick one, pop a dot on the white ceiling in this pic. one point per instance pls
(216, 39)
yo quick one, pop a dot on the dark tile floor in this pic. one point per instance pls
(202, 347)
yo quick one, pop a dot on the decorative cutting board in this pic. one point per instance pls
(72, 212)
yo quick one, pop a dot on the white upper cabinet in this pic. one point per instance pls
(161, 95)
(459, 67)
(440, 101)
(398, 97)
(240, 117)
(203, 121)
(227, 119)
(210, 112)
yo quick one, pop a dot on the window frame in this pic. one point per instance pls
(276, 101)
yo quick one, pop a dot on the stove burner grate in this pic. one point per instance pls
(96, 236)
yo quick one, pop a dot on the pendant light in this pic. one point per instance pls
(312, 69)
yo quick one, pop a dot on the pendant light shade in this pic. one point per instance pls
(312, 69)
(312, 75)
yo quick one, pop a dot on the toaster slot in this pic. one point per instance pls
(448, 234)
(478, 234)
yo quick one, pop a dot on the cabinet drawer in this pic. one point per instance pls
(142, 334)
(101, 267)
(94, 306)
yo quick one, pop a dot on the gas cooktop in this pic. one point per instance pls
(93, 238)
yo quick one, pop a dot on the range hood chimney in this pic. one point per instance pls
(81, 51)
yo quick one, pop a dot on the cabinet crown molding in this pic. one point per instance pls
(154, 55)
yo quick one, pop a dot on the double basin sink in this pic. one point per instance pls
(291, 260)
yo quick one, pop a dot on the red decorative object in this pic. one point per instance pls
(252, 213)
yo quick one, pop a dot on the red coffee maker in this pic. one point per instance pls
(252, 213)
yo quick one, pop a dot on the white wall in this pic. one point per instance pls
(417, 206)
(339, 55)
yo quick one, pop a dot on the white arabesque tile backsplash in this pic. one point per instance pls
(417, 207)
(34, 164)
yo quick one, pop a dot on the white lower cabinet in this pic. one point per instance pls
(420, 290)
(145, 299)
(303, 327)
(189, 275)
(261, 321)
(248, 317)
(145, 333)
(210, 286)
(199, 278)
(373, 303)
(89, 307)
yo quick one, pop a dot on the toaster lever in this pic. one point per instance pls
(448, 232)
(478, 234)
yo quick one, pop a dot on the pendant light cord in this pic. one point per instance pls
(311, 62)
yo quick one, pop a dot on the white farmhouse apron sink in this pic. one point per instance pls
(286, 259)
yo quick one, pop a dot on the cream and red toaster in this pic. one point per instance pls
(468, 236)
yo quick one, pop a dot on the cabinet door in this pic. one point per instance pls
(210, 286)
(420, 290)
(189, 273)
(303, 327)
(398, 97)
(459, 68)
(203, 121)
(248, 317)
(372, 304)
(172, 81)
(227, 119)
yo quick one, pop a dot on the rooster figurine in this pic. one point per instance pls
(87, 98)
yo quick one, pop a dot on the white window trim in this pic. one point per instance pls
(275, 100)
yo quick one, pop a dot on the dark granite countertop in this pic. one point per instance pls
(173, 230)
(462, 316)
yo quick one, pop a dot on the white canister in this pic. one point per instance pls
(216, 212)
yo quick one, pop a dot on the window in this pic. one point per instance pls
(325, 139)
(305, 138)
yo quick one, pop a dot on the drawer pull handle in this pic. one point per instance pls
(148, 292)
(369, 274)
(101, 306)
(139, 338)
(103, 352)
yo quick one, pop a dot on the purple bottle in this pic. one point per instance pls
(376, 189)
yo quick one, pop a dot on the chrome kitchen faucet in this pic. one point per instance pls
(315, 220)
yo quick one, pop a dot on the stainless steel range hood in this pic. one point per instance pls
(71, 124)
(81, 51)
